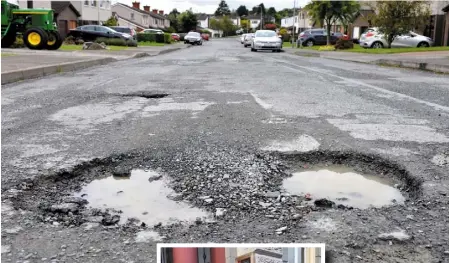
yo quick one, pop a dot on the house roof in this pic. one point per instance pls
(202, 16)
(60, 6)
(143, 11)
(446, 9)
(129, 21)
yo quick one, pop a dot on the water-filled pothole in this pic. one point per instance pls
(343, 185)
(147, 95)
(143, 195)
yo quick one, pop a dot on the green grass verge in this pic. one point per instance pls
(8, 54)
(150, 44)
(80, 47)
(359, 49)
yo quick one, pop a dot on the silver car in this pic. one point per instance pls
(248, 39)
(372, 38)
(193, 38)
(266, 40)
(242, 38)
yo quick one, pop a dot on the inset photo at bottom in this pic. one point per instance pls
(240, 253)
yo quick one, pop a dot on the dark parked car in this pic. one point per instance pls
(126, 30)
(317, 37)
(92, 32)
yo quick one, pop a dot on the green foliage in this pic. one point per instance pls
(326, 48)
(331, 12)
(271, 11)
(223, 9)
(174, 21)
(146, 37)
(397, 17)
(242, 11)
(116, 42)
(18, 43)
(204, 31)
(111, 22)
(171, 30)
(187, 21)
(344, 44)
(167, 38)
(70, 40)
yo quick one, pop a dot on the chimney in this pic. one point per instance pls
(155, 11)
(161, 12)
(146, 8)
(136, 5)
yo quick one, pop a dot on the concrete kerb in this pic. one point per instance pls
(37, 72)
(414, 65)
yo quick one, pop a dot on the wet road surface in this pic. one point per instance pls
(222, 96)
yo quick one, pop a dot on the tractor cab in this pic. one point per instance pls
(37, 26)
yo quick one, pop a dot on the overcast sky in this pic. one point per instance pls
(209, 6)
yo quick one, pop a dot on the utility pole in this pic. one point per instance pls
(261, 17)
(294, 18)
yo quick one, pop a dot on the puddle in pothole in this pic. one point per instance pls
(343, 185)
(139, 198)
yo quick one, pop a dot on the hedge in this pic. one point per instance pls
(158, 38)
(116, 42)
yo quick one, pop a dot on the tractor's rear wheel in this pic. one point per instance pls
(8, 39)
(54, 40)
(35, 38)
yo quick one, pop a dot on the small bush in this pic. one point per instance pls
(326, 48)
(147, 37)
(344, 44)
(167, 38)
(18, 43)
(116, 42)
(70, 40)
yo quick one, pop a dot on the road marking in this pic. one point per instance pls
(431, 104)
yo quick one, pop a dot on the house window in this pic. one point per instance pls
(145, 20)
(254, 22)
(296, 19)
(132, 16)
(93, 3)
(101, 3)
(86, 2)
(155, 21)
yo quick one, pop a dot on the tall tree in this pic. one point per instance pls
(271, 11)
(331, 11)
(187, 21)
(173, 17)
(227, 25)
(242, 11)
(223, 9)
(397, 17)
(215, 24)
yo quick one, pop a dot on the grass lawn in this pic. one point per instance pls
(359, 49)
(150, 44)
(80, 47)
(7, 54)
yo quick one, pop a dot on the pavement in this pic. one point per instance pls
(437, 61)
(224, 126)
(21, 64)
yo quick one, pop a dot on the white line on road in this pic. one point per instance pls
(431, 104)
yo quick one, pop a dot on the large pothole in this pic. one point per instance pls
(227, 183)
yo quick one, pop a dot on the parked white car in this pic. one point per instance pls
(153, 31)
(242, 38)
(248, 39)
(266, 40)
(372, 38)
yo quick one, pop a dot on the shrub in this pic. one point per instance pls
(344, 44)
(147, 37)
(116, 42)
(167, 38)
(270, 26)
(326, 48)
(70, 40)
(18, 43)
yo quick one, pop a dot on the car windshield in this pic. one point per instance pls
(265, 34)
(122, 29)
(193, 34)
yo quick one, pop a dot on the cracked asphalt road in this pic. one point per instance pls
(222, 96)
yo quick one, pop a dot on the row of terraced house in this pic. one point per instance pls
(71, 14)
(437, 27)
(241, 255)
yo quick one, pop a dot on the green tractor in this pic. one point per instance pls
(37, 26)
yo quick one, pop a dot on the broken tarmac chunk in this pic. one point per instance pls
(74, 200)
(64, 208)
(121, 172)
(324, 203)
(398, 236)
